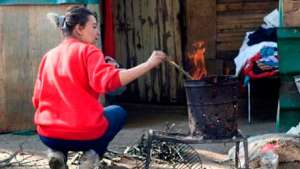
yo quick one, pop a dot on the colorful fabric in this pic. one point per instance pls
(70, 79)
(269, 58)
(247, 53)
(264, 64)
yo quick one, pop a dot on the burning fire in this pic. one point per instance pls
(196, 58)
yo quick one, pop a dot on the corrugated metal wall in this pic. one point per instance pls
(46, 2)
(25, 35)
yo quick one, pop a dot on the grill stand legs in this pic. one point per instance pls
(237, 151)
(245, 143)
(149, 147)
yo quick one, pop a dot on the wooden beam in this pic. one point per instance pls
(201, 25)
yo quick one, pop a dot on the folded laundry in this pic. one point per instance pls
(264, 64)
(263, 35)
(249, 52)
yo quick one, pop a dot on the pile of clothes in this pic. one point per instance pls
(258, 56)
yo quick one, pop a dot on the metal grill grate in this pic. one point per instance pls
(165, 155)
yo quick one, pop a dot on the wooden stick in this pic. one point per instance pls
(171, 62)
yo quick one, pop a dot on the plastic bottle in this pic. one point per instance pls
(269, 160)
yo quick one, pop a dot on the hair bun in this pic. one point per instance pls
(61, 22)
(57, 20)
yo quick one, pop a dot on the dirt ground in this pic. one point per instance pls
(34, 152)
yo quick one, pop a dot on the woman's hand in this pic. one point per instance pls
(127, 76)
(111, 61)
(156, 58)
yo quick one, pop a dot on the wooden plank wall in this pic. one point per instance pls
(142, 26)
(291, 13)
(25, 35)
(201, 26)
(222, 24)
(234, 19)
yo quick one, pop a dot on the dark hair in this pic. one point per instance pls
(75, 15)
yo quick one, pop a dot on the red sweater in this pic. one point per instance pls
(70, 79)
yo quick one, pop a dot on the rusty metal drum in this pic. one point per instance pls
(212, 106)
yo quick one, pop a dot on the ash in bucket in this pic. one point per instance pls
(212, 106)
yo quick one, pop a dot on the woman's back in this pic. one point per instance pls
(68, 91)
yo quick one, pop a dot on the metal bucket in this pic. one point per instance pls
(212, 106)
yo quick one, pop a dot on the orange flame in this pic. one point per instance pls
(196, 58)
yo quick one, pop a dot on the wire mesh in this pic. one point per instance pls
(165, 155)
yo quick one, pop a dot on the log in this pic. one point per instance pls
(288, 150)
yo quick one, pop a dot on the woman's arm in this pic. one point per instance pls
(128, 75)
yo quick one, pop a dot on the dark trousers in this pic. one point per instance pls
(116, 116)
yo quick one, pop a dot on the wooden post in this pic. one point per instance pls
(201, 26)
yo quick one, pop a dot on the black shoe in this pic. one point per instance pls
(89, 160)
(57, 160)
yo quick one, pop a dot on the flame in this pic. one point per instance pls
(196, 58)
